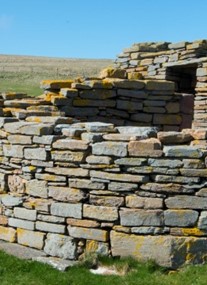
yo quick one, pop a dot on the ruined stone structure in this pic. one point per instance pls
(110, 164)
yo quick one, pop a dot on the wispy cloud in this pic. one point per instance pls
(5, 22)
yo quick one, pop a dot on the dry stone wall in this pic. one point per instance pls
(74, 188)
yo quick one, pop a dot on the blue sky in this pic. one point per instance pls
(96, 28)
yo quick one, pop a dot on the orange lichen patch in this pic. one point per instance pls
(7, 234)
(56, 84)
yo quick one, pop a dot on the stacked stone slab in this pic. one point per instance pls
(122, 101)
(71, 189)
(157, 60)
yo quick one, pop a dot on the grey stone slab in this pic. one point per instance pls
(11, 201)
(50, 227)
(183, 151)
(23, 224)
(143, 132)
(110, 148)
(25, 214)
(60, 246)
(67, 210)
(132, 217)
(20, 251)
(37, 188)
(35, 153)
(122, 187)
(85, 183)
(180, 218)
(100, 213)
(13, 150)
(186, 202)
(171, 163)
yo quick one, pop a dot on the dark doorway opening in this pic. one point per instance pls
(185, 79)
(184, 76)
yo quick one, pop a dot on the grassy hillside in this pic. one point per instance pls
(24, 73)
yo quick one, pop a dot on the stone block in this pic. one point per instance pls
(148, 147)
(30, 238)
(13, 150)
(119, 177)
(66, 194)
(20, 139)
(67, 210)
(93, 103)
(112, 73)
(108, 201)
(174, 137)
(182, 151)
(97, 94)
(67, 155)
(46, 140)
(100, 213)
(180, 218)
(179, 45)
(166, 188)
(23, 224)
(129, 105)
(110, 148)
(37, 188)
(11, 201)
(122, 187)
(201, 71)
(194, 172)
(25, 214)
(71, 144)
(83, 223)
(60, 246)
(50, 219)
(138, 94)
(167, 119)
(3, 220)
(141, 117)
(159, 85)
(85, 183)
(202, 223)
(86, 233)
(55, 84)
(167, 251)
(141, 132)
(133, 201)
(29, 128)
(100, 248)
(186, 202)
(132, 217)
(35, 153)
(49, 227)
(175, 163)
(7, 234)
(92, 159)
(50, 177)
(69, 92)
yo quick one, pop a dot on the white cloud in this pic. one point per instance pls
(5, 22)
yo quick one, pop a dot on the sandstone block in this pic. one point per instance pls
(168, 251)
(98, 94)
(37, 188)
(68, 156)
(119, 177)
(180, 218)
(166, 188)
(148, 147)
(67, 210)
(29, 128)
(50, 177)
(134, 217)
(30, 238)
(20, 139)
(201, 71)
(3, 220)
(101, 248)
(85, 183)
(112, 73)
(83, 223)
(13, 150)
(141, 132)
(7, 234)
(202, 223)
(35, 153)
(86, 233)
(108, 201)
(49, 227)
(110, 148)
(80, 172)
(71, 144)
(50, 219)
(92, 159)
(129, 84)
(138, 94)
(93, 103)
(129, 105)
(66, 194)
(45, 139)
(133, 201)
(60, 246)
(175, 163)
(100, 213)
(119, 187)
(55, 84)
(174, 137)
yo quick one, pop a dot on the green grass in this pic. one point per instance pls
(18, 272)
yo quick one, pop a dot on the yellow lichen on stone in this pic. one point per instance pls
(91, 246)
(192, 232)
